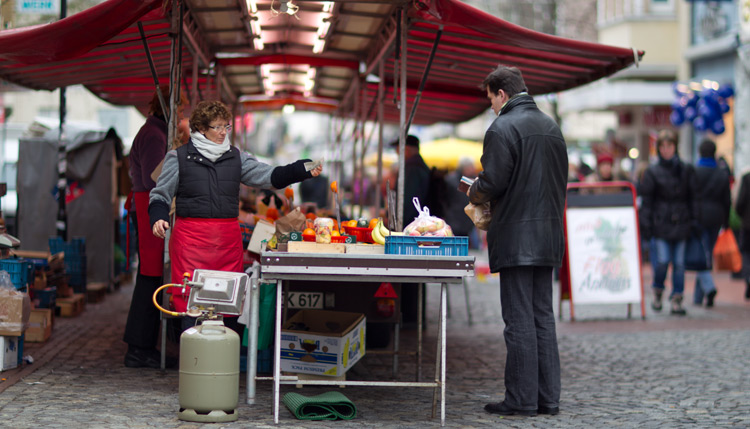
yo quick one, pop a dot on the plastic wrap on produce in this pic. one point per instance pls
(426, 225)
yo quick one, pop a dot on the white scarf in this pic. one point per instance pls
(208, 148)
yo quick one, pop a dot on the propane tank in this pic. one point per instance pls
(209, 373)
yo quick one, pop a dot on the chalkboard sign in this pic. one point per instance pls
(604, 256)
(602, 263)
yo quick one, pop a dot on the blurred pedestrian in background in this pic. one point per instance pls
(604, 169)
(743, 210)
(667, 213)
(714, 201)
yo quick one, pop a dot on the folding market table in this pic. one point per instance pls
(282, 266)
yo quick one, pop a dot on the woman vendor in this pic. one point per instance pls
(204, 176)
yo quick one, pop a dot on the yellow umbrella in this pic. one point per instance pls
(446, 153)
(442, 153)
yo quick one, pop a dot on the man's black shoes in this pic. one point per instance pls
(504, 410)
(147, 358)
(552, 411)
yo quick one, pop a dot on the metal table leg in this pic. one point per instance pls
(252, 340)
(420, 300)
(440, 356)
(277, 353)
(443, 340)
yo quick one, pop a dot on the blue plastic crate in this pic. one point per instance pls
(45, 298)
(428, 246)
(75, 247)
(18, 270)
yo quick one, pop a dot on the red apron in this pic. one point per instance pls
(150, 247)
(210, 244)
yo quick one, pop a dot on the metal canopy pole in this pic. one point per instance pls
(424, 78)
(162, 102)
(380, 100)
(175, 72)
(62, 164)
(402, 123)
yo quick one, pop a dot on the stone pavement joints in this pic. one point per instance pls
(661, 372)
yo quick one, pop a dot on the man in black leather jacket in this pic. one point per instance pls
(525, 165)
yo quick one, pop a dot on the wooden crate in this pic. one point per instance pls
(96, 292)
(71, 307)
(310, 247)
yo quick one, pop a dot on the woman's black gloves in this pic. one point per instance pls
(281, 177)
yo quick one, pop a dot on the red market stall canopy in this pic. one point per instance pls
(321, 56)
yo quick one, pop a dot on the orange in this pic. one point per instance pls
(335, 186)
(335, 233)
(373, 223)
(311, 216)
(289, 193)
(308, 231)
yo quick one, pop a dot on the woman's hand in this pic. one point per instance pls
(316, 171)
(160, 228)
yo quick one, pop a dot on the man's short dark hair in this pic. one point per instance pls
(509, 79)
(707, 149)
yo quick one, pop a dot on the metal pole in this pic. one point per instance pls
(252, 339)
(402, 123)
(153, 72)
(277, 352)
(62, 164)
(424, 78)
(380, 100)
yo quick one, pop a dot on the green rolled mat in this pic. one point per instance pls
(326, 406)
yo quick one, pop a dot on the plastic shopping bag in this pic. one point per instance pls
(426, 225)
(479, 214)
(727, 255)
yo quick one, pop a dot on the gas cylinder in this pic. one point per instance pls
(209, 373)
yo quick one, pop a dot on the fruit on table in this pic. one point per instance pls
(308, 231)
(363, 223)
(374, 222)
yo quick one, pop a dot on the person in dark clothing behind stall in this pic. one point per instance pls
(667, 217)
(146, 154)
(204, 176)
(454, 201)
(524, 177)
(416, 184)
(714, 201)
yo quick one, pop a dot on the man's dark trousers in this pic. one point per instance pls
(532, 366)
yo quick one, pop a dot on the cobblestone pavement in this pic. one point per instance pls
(664, 371)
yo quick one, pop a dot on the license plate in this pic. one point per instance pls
(305, 300)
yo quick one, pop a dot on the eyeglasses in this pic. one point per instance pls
(218, 128)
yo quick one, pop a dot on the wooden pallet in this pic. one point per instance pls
(96, 292)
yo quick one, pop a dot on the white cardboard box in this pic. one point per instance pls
(333, 342)
(9, 347)
(263, 231)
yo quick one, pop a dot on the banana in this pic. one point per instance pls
(385, 232)
(377, 237)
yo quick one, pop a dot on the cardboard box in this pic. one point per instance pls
(40, 325)
(15, 308)
(9, 348)
(322, 342)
